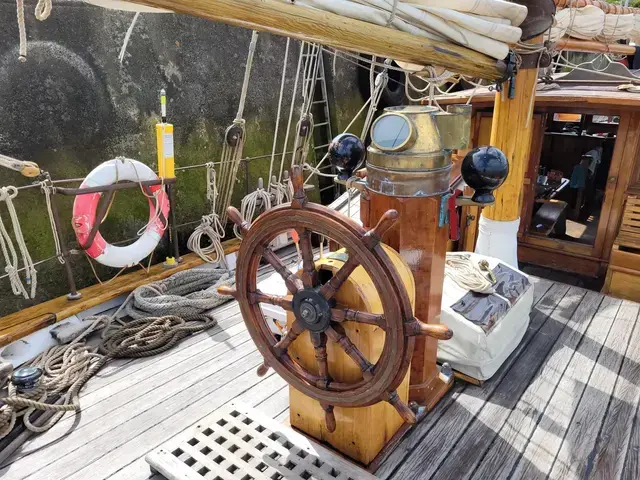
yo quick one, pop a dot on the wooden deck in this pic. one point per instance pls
(563, 406)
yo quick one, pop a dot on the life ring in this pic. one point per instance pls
(84, 213)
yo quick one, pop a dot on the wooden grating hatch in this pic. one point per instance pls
(629, 234)
(240, 443)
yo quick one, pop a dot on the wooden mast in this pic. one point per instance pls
(511, 132)
(337, 31)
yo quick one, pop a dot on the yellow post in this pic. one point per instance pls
(166, 169)
(164, 141)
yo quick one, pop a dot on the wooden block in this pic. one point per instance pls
(361, 433)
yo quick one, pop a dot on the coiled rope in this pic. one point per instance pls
(250, 203)
(163, 313)
(461, 269)
(7, 194)
(210, 227)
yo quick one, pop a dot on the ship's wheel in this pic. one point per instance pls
(314, 307)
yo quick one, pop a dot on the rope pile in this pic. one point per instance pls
(462, 270)
(163, 313)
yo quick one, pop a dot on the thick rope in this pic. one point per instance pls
(468, 275)
(164, 313)
(7, 194)
(42, 12)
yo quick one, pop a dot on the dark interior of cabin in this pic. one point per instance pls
(572, 175)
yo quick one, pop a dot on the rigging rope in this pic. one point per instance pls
(210, 227)
(163, 313)
(234, 140)
(7, 194)
(48, 189)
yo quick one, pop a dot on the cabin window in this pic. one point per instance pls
(572, 176)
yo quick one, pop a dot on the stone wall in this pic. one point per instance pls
(72, 105)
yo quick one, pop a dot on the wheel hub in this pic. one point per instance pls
(311, 308)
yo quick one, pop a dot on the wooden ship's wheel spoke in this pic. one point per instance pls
(285, 303)
(319, 341)
(344, 314)
(294, 332)
(291, 280)
(330, 288)
(309, 272)
(338, 335)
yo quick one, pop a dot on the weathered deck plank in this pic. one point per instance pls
(433, 448)
(613, 442)
(541, 287)
(546, 439)
(495, 411)
(507, 446)
(570, 390)
(256, 396)
(574, 458)
(133, 394)
(124, 423)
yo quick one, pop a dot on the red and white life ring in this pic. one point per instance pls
(84, 213)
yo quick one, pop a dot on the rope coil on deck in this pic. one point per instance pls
(163, 313)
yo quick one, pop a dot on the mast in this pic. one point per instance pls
(511, 132)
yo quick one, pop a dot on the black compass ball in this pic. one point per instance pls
(346, 153)
(484, 169)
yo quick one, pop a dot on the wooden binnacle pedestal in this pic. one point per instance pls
(361, 432)
(350, 339)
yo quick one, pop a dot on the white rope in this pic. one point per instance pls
(42, 12)
(279, 112)
(22, 31)
(7, 194)
(462, 270)
(127, 37)
(232, 154)
(48, 189)
(43, 9)
(210, 227)
(250, 204)
(247, 75)
(291, 109)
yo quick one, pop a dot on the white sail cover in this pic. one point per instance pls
(126, 6)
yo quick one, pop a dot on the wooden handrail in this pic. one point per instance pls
(336, 31)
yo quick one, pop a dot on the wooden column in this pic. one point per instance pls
(511, 132)
(423, 245)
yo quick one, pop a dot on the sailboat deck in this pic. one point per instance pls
(564, 405)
